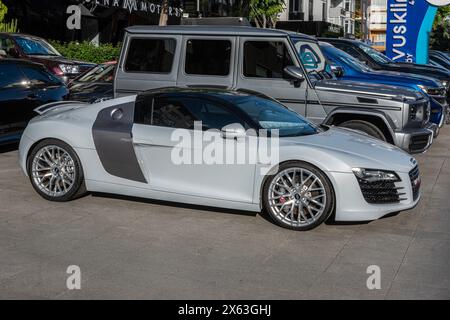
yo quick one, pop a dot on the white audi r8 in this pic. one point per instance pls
(131, 146)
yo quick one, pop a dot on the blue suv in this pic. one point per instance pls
(350, 68)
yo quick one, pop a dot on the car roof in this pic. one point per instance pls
(11, 34)
(215, 30)
(339, 40)
(212, 92)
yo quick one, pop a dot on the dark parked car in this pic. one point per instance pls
(24, 86)
(95, 85)
(439, 58)
(21, 46)
(378, 61)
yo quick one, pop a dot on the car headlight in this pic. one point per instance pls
(446, 84)
(374, 175)
(417, 112)
(69, 68)
(423, 88)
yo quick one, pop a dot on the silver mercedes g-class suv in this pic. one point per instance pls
(287, 66)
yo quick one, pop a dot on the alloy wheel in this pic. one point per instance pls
(297, 197)
(53, 171)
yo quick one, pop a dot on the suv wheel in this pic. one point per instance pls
(365, 127)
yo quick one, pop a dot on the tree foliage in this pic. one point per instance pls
(440, 36)
(87, 51)
(265, 12)
(4, 26)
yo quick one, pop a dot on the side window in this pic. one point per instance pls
(172, 113)
(208, 57)
(150, 55)
(7, 48)
(263, 59)
(38, 76)
(351, 51)
(10, 76)
(212, 114)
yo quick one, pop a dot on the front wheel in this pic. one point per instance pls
(55, 171)
(299, 196)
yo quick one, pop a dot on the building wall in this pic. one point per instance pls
(377, 24)
(337, 12)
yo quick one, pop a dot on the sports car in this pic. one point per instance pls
(132, 146)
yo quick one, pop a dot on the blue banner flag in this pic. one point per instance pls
(409, 23)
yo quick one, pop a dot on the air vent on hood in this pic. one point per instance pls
(367, 100)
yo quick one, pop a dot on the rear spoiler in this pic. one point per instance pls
(50, 106)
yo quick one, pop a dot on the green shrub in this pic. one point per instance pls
(86, 51)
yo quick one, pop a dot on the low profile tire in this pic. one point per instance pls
(365, 127)
(298, 197)
(55, 171)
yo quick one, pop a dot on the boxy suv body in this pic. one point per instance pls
(285, 65)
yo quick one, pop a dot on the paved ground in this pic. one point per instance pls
(131, 249)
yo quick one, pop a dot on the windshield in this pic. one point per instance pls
(336, 55)
(270, 115)
(374, 54)
(34, 46)
(101, 73)
(311, 57)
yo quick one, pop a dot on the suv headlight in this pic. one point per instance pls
(446, 84)
(417, 112)
(69, 68)
(424, 89)
(374, 175)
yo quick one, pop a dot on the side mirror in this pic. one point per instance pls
(233, 131)
(295, 75)
(337, 70)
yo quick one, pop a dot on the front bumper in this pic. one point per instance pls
(352, 206)
(415, 140)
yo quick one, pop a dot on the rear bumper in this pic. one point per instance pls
(416, 140)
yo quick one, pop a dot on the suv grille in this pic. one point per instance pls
(380, 192)
(419, 142)
(414, 176)
(438, 94)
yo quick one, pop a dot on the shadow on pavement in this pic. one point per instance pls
(9, 147)
(174, 204)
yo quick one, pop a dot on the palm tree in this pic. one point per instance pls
(164, 15)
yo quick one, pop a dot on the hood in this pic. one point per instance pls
(369, 89)
(61, 60)
(356, 150)
(421, 69)
(402, 77)
(88, 92)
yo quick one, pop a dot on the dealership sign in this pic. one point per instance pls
(143, 6)
(409, 23)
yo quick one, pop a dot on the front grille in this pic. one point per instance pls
(438, 94)
(380, 192)
(437, 91)
(414, 176)
(440, 99)
(419, 142)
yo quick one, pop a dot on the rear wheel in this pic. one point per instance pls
(299, 196)
(365, 127)
(55, 171)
